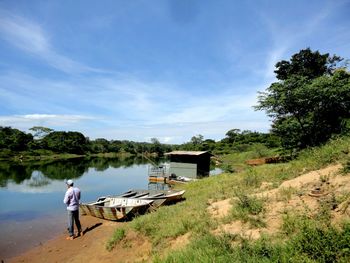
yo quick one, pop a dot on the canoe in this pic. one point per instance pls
(116, 208)
(159, 197)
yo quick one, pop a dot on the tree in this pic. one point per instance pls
(99, 145)
(310, 102)
(40, 131)
(14, 139)
(232, 135)
(307, 64)
(114, 146)
(197, 140)
(66, 142)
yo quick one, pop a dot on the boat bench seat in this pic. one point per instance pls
(127, 194)
(156, 195)
(140, 195)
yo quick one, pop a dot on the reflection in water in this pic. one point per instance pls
(158, 186)
(39, 173)
(37, 180)
(31, 194)
(31, 207)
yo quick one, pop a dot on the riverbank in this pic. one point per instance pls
(136, 247)
(89, 248)
(273, 212)
(45, 155)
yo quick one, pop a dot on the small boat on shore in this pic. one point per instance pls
(159, 197)
(180, 179)
(115, 208)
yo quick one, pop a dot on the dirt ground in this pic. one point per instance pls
(91, 247)
(303, 192)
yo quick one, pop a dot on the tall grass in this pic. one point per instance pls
(311, 244)
(118, 235)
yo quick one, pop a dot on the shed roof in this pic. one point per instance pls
(195, 153)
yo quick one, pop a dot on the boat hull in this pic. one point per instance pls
(102, 209)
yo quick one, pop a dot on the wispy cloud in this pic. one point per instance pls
(47, 120)
(127, 108)
(31, 38)
(287, 38)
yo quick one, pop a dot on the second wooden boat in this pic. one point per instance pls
(159, 197)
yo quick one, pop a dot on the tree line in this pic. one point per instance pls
(308, 104)
(44, 139)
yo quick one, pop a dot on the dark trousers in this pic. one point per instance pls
(73, 216)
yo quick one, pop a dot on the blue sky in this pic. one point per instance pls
(142, 69)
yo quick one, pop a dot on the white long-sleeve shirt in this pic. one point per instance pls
(71, 198)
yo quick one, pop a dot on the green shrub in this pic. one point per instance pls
(251, 178)
(250, 204)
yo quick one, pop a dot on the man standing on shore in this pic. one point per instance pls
(71, 199)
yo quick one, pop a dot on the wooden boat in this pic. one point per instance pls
(173, 179)
(159, 197)
(116, 208)
(161, 179)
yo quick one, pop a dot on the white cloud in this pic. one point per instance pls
(47, 120)
(30, 37)
(117, 108)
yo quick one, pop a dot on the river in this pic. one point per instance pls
(31, 195)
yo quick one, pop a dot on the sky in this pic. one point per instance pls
(165, 69)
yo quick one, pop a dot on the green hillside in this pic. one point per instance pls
(306, 229)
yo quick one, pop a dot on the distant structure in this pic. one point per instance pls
(191, 164)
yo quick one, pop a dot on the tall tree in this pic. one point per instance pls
(232, 135)
(40, 131)
(308, 64)
(14, 139)
(310, 102)
(197, 140)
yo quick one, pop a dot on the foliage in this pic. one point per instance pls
(306, 64)
(14, 139)
(65, 142)
(312, 244)
(310, 103)
(48, 142)
(247, 209)
(40, 131)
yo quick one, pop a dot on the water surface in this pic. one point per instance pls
(31, 195)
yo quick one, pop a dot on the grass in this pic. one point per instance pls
(301, 239)
(285, 193)
(118, 235)
(310, 244)
(248, 209)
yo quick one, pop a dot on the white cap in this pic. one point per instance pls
(69, 182)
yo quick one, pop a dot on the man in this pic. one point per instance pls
(71, 199)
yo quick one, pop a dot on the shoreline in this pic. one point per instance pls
(96, 234)
(21, 236)
(24, 159)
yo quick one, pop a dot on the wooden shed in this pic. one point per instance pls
(192, 164)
